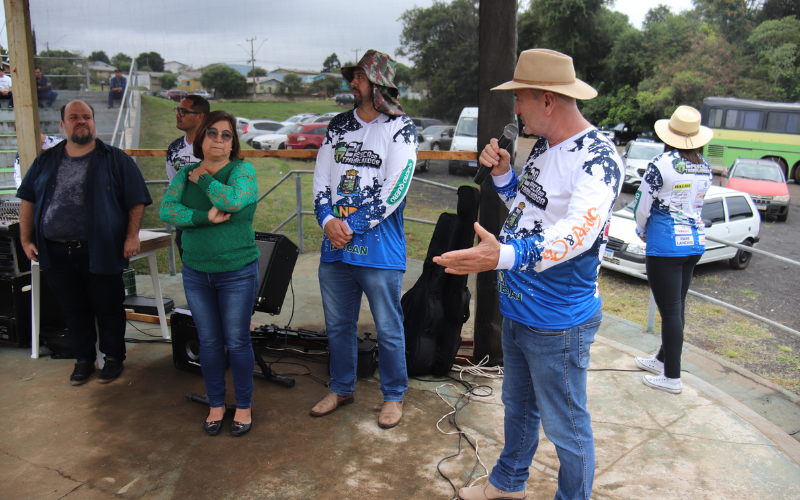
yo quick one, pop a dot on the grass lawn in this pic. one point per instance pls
(158, 130)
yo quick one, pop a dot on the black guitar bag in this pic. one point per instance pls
(437, 306)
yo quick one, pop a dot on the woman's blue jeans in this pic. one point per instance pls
(545, 381)
(222, 306)
(342, 286)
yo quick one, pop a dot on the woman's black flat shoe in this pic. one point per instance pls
(213, 428)
(240, 429)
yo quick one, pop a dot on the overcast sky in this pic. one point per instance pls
(295, 34)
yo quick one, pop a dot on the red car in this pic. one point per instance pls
(763, 180)
(176, 95)
(307, 136)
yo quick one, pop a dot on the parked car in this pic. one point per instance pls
(240, 123)
(292, 120)
(163, 94)
(635, 157)
(440, 136)
(176, 95)
(275, 140)
(326, 118)
(729, 215)
(763, 180)
(310, 136)
(344, 99)
(422, 145)
(203, 93)
(258, 127)
(423, 123)
(465, 138)
(621, 133)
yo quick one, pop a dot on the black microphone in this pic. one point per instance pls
(509, 135)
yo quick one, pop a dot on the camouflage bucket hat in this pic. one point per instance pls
(380, 70)
(378, 66)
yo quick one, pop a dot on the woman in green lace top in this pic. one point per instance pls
(213, 202)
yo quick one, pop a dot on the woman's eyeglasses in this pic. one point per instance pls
(212, 134)
(183, 112)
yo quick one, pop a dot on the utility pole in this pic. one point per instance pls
(356, 51)
(253, 61)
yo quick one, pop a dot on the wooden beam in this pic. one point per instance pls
(26, 103)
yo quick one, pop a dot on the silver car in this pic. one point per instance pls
(636, 156)
(258, 127)
(274, 140)
(422, 145)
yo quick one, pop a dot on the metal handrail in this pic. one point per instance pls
(754, 250)
(123, 117)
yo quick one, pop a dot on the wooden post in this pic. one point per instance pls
(497, 59)
(26, 104)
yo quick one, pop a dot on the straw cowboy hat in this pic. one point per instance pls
(548, 70)
(683, 129)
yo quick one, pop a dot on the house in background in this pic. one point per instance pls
(264, 84)
(189, 81)
(176, 67)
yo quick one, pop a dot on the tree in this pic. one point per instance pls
(331, 63)
(167, 80)
(403, 75)
(226, 81)
(121, 61)
(258, 72)
(330, 84)
(777, 44)
(67, 63)
(99, 55)
(442, 41)
(778, 9)
(291, 84)
(151, 60)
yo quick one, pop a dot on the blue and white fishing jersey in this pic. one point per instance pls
(669, 205)
(362, 176)
(557, 230)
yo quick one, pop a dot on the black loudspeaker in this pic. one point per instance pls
(15, 310)
(13, 261)
(185, 343)
(275, 267)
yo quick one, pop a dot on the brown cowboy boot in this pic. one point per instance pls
(329, 403)
(391, 413)
(488, 492)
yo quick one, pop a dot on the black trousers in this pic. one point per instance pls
(85, 296)
(669, 279)
(178, 239)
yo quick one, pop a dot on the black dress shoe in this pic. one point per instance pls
(240, 429)
(111, 370)
(213, 428)
(80, 375)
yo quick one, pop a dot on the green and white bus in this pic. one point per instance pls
(745, 128)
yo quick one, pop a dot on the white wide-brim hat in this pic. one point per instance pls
(548, 70)
(683, 129)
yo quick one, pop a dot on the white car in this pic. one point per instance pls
(293, 120)
(636, 156)
(255, 128)
(275, 140)
(730, 215)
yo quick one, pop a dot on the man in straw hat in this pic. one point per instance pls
(547, 259)
(364, 169)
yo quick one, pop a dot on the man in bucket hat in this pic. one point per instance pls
(547, 259)
(364, 169)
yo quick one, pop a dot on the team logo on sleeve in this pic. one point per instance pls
(350, 183)
(513, 218)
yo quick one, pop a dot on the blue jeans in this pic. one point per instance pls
(545, 381)
(222, 306)
(46, 98)
(341, 286)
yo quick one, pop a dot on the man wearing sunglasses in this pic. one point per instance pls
(188, 116)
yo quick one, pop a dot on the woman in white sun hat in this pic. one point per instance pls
(667, 211)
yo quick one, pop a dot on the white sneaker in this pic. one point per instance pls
(663, 383)
(650, 364)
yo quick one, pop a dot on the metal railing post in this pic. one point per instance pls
(299, 196)
(171, 249)
(651, 314)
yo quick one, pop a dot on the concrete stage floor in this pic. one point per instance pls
(138, 437)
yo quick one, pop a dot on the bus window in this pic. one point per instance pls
(714, 118)
(741, 119)
(783, 122)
